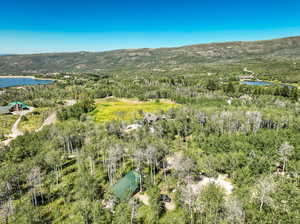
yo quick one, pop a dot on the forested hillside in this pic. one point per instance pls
(187, 58)
(202, 147)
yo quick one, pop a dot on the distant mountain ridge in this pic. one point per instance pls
(151, 59)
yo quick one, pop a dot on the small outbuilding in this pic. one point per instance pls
(127, 185)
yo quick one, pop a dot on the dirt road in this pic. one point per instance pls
(15, 132)
(246, 70)
(52, 117)
(49, 120)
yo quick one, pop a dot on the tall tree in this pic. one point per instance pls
(285, 151)
(263, 190)
(34, 180)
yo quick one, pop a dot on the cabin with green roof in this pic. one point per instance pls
(127, 186)
(13, 106)
(18, 105)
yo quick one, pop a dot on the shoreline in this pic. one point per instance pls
(23, 76)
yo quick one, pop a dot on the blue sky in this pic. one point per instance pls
(34, 26)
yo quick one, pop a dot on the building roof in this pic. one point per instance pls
(23, 105)
(127, 185)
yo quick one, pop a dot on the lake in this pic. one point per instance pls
(263, 83)
(257, 83)
(8, 82)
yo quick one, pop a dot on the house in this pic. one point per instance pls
(17, 106)
(13, 106)
(127, 186)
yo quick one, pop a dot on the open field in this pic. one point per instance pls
(6, 123)
(33, 120)
(126, 109)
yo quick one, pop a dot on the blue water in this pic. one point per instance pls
(7, 82)
(262, 83)
(257, 83)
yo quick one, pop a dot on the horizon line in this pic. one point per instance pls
(161, 47)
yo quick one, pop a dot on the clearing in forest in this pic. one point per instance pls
(6, 123)
(32, 121)
(127, 109)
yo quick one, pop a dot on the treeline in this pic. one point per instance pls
(76, 111)
(178, 88)
(284, 90)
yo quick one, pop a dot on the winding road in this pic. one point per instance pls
(246, 70)
(15, 132)
(52, 117)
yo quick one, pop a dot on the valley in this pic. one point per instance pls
(156, 136)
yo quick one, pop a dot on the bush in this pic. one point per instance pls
(77, 110)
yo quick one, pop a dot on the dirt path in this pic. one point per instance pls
(49, 120)
(143, 198)
(246, 70)
(220, 181)
(52, 117)
(15, 132)
(69, 103)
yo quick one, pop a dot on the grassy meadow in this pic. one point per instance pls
(33, 120)
(6, 123)
(127, 109)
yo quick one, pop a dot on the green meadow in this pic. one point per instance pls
(33, 120)
(127, 109)
(6, 123)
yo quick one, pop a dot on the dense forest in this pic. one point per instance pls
(225, 153)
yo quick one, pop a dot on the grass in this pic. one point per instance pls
(127, 109)
(6, 123)
(33, 120)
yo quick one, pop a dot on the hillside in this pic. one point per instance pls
(164, 150)
(179, 58)
(157, 136)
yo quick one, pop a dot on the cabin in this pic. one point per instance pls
(127, 185)
(18, 106)
(13, 106)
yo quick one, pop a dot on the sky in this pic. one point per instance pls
(38, 26)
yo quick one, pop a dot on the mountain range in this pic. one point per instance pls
(159, 59)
